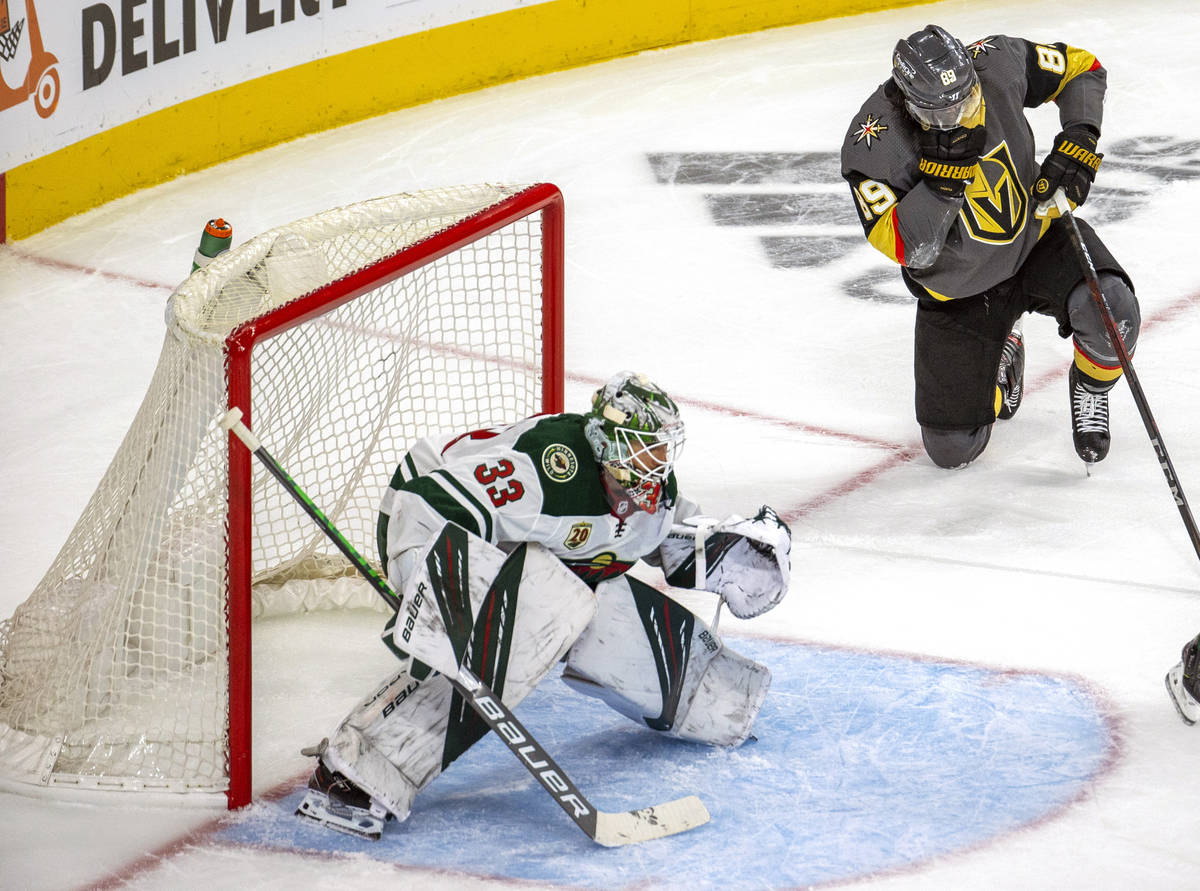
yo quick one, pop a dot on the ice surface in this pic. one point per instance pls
(709, 245)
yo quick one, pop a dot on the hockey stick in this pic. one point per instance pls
(1135, 386)
(608, 829)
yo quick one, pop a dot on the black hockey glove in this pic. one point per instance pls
(948, 158)
(1070, 166)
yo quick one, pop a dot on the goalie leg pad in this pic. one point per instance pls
(649, 658)
(390, 746)
(727, 699)
(524, 614)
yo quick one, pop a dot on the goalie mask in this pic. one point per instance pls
(636, 434)
(941, 89)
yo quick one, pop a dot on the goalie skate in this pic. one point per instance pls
(1182, 682)
(320, 808)
(1188, 707)
(335, 802)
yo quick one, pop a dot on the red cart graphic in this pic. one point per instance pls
(26, 69)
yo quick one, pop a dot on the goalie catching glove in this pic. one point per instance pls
(745, 561)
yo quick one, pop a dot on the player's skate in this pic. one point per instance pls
(1010, 380)
(1089, 417)
(1182, 684)
(335, 802)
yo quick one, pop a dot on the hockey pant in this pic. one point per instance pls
(415, 724)
(655, 662)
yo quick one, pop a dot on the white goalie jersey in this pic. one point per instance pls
(534, 481)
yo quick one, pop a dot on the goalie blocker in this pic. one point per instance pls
(510, 621)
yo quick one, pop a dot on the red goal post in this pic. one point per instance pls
(343, 338)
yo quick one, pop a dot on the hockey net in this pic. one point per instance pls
(343, 338)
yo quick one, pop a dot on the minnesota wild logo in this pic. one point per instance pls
(995, 209)
(559, 462)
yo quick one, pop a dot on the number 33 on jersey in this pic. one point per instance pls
(536, 480)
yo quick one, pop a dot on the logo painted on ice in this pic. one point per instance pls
(26, 69)
(786, 197)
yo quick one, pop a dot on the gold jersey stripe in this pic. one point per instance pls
(885, 239)
(1078, 62)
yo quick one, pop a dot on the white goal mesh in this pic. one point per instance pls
(343, 338)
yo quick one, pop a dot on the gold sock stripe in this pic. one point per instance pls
(1102, 373)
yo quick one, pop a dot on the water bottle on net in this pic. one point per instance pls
(216, 239)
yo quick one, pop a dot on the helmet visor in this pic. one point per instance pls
(648, 455)
(641, 462)
(948, 116)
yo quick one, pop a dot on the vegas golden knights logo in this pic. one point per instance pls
(996, 202)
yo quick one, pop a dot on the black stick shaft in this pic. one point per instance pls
(1135, 385)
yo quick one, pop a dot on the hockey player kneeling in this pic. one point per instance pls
(510, 548)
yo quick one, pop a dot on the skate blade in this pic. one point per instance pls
(1188, 709)
(317, 807)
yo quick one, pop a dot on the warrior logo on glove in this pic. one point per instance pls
(1070, 166)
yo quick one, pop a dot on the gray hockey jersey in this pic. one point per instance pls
(952, 248)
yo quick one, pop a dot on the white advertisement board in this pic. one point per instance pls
(72, 68)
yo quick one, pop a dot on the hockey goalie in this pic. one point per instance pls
(578, 498)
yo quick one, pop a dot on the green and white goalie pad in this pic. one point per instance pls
(508, 618)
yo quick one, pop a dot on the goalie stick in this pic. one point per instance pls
(608, 829)
(1135, 386)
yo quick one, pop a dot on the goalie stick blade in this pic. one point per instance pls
(659, 821)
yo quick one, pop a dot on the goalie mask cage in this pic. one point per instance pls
(343, 338)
